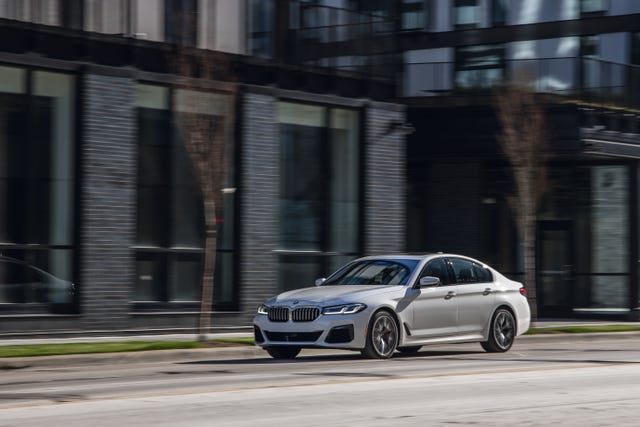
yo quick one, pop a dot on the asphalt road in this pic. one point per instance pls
(581, 381)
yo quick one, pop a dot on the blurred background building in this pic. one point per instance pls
(348, 128)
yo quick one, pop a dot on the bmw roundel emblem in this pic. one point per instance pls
(295, 302)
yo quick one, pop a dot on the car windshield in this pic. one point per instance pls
(373, 272)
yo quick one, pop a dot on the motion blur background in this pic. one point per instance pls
(345, 128)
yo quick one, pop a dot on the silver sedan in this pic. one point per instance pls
(381, 304)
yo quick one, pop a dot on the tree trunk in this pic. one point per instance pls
(210, 249)
(529, 242)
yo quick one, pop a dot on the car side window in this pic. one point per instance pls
(482, 273)
(437, 268)
(464, 271)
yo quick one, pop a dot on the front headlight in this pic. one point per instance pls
(344, 309)
(263, 309)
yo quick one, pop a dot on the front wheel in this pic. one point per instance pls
(382, 336)
(502, 332)
(283, 352)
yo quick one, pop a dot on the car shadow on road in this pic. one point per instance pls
(329, 358)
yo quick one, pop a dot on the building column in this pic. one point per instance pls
(107, 189)
(385, 179)
(259, 199)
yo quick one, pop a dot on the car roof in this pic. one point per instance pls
(417, 257)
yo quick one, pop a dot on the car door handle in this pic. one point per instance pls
(487, 291)
(450, 295)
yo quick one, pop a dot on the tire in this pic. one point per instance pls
(283, 352)
(410, 350)
(382, 336)
(502, 332)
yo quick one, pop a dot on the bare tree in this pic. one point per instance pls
(524, 142)
(205, 138)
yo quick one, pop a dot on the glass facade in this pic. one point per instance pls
(466, 13)
(583, 243)
(319, 191)
(479, 66)
(414, 14)
(262, 21)
(170, 210)
(37, 189)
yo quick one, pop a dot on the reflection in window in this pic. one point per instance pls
(413, 14)
(181, 21)
(319, 188)
(170, 231)
(499, 12)
(479, 66)
(261, 28)
(36, 183)
(589, 48)
(466, 13)
(593, 6)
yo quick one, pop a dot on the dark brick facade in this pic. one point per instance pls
(108, 191)
(384, 186)
(385, 179)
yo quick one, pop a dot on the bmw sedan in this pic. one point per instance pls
(382, 304)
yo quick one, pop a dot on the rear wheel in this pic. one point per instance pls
(283, 352)
(502, 332)
(382, 336)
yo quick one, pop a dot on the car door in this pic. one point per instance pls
(474, 293)
(435, 308)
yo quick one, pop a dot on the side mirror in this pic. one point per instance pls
(320, 281)
(428, 281)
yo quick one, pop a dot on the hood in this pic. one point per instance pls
(328, 295)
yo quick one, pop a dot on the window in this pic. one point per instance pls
(466, 13)
(262, 24)
(464, 270)
(170, 231)
(181, 22)
(635, 50)
(319, 190)
(482, 273)
(437, 268)
(72, 14)
(414, 14)
(498, 12)
(591, 65)
(479, 66)
(593, 6)
(37, 178)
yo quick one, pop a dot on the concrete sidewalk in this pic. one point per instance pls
(240, 351)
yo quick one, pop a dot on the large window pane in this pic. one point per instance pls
(171, 222)
(466, 13)
(55, 107)
(319, 190)
(36, 189)
(301, 176)
(479, 66)
(345, 183)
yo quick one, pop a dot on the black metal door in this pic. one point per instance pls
(554, 255)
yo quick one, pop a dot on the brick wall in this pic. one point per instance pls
(385, 179)
(259, 199)
(108, 207)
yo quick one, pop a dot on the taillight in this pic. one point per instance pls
(523, 291)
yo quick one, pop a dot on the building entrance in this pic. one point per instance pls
(554, 255)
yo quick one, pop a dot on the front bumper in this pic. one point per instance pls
(327, 331)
